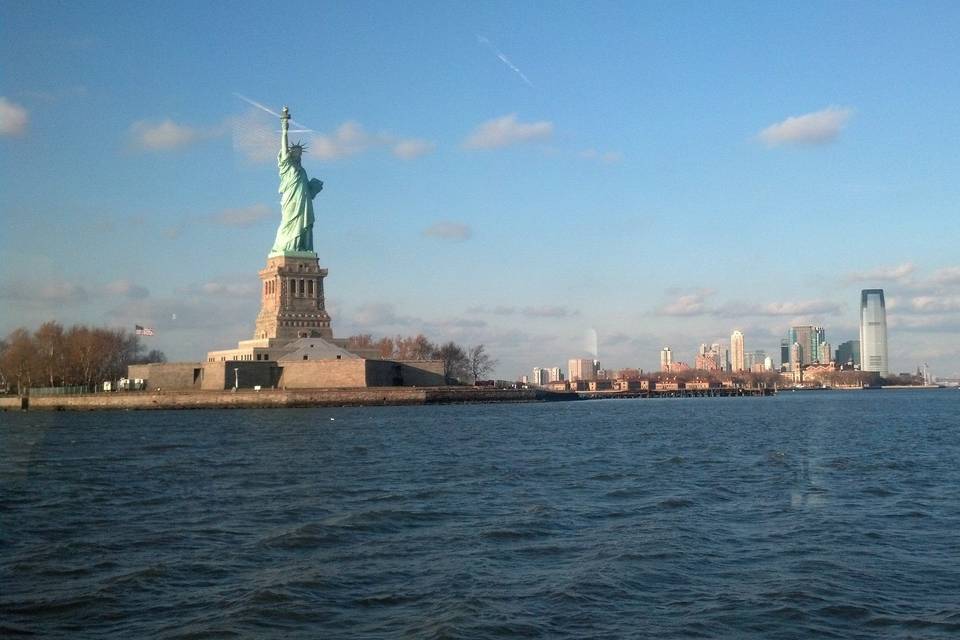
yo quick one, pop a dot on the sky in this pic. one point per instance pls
(513, 174)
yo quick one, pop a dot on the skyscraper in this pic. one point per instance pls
(666, 359)
(736, 351)
(753, 358)
(826, 353)
(873, 332)
(849, 352)
(809, 338)
(581, 369)
(796, 357)
(722, 355)
(541, 376)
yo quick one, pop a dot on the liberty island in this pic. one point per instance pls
(293, 358)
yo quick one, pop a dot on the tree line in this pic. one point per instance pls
(54, 356)
(459, 363)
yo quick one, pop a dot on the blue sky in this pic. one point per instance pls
(509, 173)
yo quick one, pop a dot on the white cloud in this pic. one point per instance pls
(227, 289)
(506, 131)
(59, 292)
(242, 217)
(445, 230)
(259, 141)
(412, 148)
(379, 314)
(805, 308)
(13, 118)
(543, 311)
(932, 304)
(946, 276)
(895, 273)
(695, 304)
(548, 311)
(948, 323)
(818, 127)
(688, 304)
(349, 139)
(125, 289)
(164, 135)
(253, 138)
(71, 292)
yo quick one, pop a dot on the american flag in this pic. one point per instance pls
(143, 331)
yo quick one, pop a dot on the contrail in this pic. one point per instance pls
(504, 59)
(256, 104)
(273, 113)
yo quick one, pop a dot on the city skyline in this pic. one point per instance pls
(139, 191)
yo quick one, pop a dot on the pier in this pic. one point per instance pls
(720, 392)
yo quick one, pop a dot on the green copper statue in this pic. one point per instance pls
(295, 234)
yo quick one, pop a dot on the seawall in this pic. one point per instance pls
(247, 399)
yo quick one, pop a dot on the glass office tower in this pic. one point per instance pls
(873, 332)
(849, 352)
(809, 338)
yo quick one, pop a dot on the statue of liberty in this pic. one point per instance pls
(297, 192)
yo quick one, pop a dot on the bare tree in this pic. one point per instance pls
(361, 341)
(76, 356)
(3, 372)
(20, 358)
(414, 348)
(51, 352)
(386, 348)
(479, 362)
(455, 361)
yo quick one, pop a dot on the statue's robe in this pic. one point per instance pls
(296, 204)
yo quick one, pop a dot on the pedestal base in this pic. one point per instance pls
(292, 300)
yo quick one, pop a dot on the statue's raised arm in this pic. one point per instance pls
(284, 126)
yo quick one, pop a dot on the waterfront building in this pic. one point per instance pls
(785, 355)
(666, 359)
(556, 374)
(707, 362)
(826, 353)
(581, 369)
(722, 354)
(541, 376)
(754, 358)
(796, 357)
(810, 338)
(736, 351)
(849, 353)
(768, 364)
(873, 332)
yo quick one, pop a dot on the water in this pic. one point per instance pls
(810, 514)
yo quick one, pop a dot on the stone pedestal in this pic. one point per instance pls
(292, 303)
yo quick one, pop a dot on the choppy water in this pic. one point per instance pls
(820, 514)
